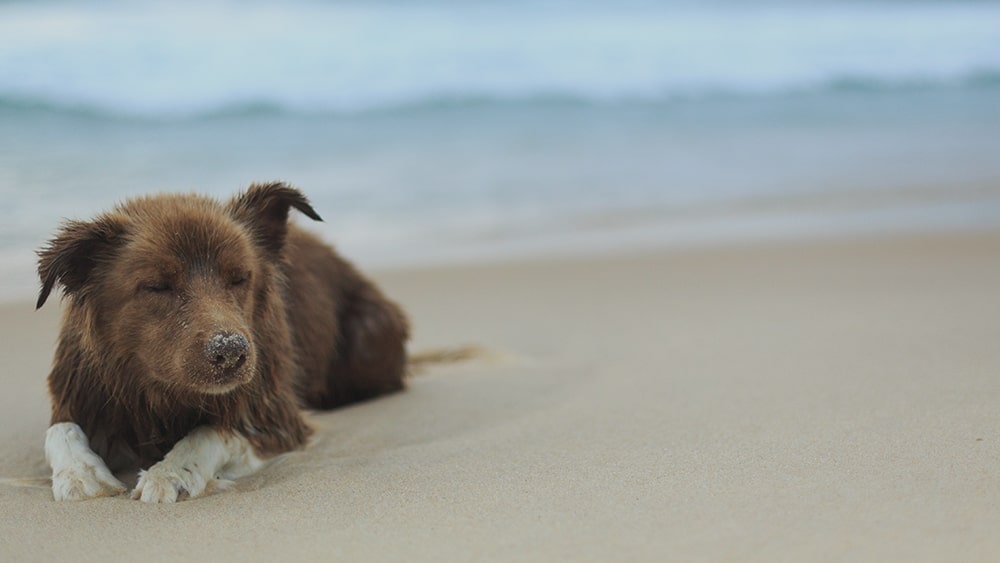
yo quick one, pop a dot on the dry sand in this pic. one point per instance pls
(784, 402)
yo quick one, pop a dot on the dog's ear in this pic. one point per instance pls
(70, 257)
(264, 207)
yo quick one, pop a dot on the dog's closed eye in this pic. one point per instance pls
(157, 287)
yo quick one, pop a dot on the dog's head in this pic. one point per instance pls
(173, 284)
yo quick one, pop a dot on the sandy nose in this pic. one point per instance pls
(227, 350)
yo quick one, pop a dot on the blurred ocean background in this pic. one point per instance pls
(448, 130)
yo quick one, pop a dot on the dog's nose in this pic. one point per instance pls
(227, 350)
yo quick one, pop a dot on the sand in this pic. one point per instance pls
(811, 401)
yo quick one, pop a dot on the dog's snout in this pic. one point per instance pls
(227, 350)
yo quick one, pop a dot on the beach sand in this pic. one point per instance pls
(796, 401)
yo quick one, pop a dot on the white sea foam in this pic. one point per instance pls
(183, 58)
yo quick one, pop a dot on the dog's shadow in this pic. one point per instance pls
(441, 410)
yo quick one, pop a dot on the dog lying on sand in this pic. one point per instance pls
(195, 331)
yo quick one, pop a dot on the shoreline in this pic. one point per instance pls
(786, 218)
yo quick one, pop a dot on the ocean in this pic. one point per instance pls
(446, 130)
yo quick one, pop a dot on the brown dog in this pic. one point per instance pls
(195, 330)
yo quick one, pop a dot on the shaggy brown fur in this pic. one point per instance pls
(185, 311)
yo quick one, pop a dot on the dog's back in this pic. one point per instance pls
(348, 337)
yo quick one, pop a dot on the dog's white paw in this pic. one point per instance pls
(164, 483)
(201, 463)
(83, 481)
(77, 472)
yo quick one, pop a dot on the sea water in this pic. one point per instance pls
(468, 130)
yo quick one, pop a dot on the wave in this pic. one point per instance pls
(238, 109)
(164, 60)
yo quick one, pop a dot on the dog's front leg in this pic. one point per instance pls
(204, 460)
(77, 472)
